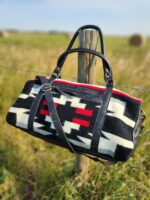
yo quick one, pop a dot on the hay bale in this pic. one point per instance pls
(137, 40)
(4, 34)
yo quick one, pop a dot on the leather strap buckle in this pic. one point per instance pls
(46, 87)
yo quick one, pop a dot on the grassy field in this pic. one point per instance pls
(31, 169)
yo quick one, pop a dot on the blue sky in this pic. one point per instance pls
(113, 16)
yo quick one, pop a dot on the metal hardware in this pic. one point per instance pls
(46, 87)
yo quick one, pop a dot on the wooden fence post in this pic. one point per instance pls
(86, 74)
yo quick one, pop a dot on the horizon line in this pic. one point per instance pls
(64, 31)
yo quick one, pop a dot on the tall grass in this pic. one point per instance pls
(31, 169)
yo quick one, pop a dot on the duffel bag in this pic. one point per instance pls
(99, 122)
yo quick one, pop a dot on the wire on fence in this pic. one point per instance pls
(135, 88)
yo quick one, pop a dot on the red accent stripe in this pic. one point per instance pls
(101, 89)
(81, 122)
(45, 103)
(84, 112)
(44, 112)
(56, 104)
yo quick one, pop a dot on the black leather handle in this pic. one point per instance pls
(107, 68)
(88, 27)
(57, 70)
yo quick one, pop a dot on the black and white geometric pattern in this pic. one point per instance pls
(78, 114)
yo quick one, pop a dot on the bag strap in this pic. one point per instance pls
(108, 77)
(106, 97)
(88, 27)
(34, 107)
(46, 88)
(56, 71)
(101, 118)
